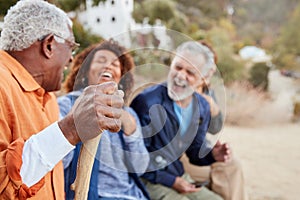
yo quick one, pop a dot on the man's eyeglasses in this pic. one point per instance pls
(60, 39)
(73, 45)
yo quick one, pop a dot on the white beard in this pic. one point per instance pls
(186, 90)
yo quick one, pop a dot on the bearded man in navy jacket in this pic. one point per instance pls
(175, 120)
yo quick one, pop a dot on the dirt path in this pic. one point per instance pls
(270, 157)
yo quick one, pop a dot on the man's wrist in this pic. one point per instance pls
(68, 128)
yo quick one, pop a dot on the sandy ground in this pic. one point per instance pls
(270, 157)
(270, 154)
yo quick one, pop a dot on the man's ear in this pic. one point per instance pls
(47, 46)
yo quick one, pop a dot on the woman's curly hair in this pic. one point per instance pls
(78, 76)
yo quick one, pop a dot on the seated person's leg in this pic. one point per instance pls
(204, 193)
(160, 192)
(226, 178)
(198, 173)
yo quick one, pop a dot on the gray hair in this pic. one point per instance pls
(195, 48)
(30, 20)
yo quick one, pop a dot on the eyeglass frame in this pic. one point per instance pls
(73, 45)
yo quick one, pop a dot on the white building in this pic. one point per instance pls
(113, 19)
(254, 54)
(109, 18)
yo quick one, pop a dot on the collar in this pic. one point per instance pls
(22, 76)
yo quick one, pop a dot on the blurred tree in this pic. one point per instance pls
(178, 23)
(84, 37)
(290, 32)
(165, 10)
(259, 75)
(258, 19)
(138, 12)
(96, 2)
(155, 9)
(212, 9)
(287, 49)
(5, 5)
(229, 66)
(69, 5)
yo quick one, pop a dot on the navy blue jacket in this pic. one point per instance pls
(162, 139)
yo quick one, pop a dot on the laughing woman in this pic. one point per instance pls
(121, 156)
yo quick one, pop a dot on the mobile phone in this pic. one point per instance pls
(200, 184)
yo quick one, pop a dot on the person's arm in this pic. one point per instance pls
(216, 122)
(42, 151)
(17, 155)
(39, 157)
(84, 115)
(137, 153)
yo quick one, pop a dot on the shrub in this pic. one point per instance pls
(231, 70)
(259, 75)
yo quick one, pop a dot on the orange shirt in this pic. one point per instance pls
(25, 109)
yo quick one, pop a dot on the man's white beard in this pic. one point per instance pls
(186, 92)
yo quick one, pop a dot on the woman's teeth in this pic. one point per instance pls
(107, 74)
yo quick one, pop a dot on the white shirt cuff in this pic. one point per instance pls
(42, 152)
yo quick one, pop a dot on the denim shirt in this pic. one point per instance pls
(113, 173)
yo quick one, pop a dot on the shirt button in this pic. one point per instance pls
(40, 92)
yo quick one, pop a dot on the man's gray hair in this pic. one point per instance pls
(195, 48)
(30, 20)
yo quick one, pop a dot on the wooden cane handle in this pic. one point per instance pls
(84, 168)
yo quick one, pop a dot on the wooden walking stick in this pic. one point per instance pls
(85, 165)
(84, 168)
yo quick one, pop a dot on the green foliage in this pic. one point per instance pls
(259, 75)
(178, 23)
(138, 12)
(286, 61)
(84, 37)
(68, 5)
(230, 69)
(153, 62)
(213, 9)
(165, 10)
(155, 9)
(255, 18)
(162, 9)
(287, 47)
(198, 35)
(210, 9)
(290, 32)
(5, 5)
(96, 2)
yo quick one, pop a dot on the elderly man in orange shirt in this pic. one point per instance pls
(36, 43)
